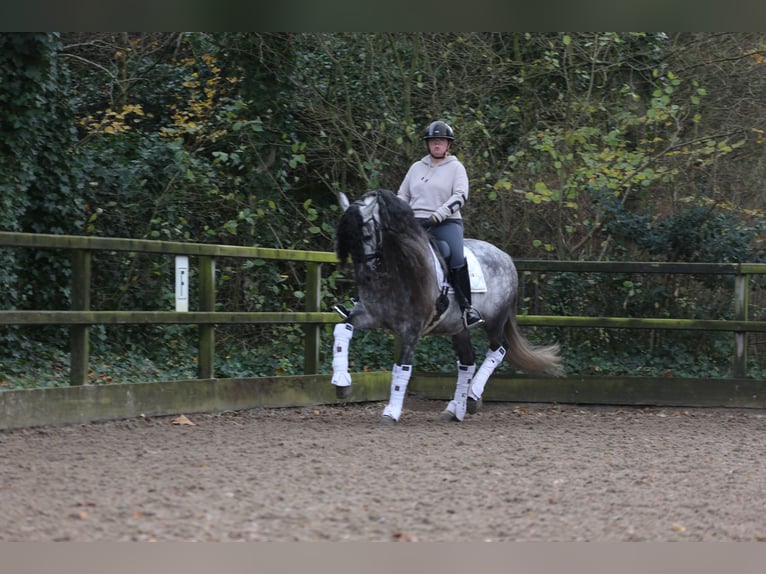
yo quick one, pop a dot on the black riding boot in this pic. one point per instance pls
(461, 283)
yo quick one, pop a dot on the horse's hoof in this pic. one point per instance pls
(448, 416)
(387, 421)
(473, 405)
(343, 392)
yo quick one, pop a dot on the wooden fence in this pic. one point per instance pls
(81, 402)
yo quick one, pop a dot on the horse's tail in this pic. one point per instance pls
(533, 359)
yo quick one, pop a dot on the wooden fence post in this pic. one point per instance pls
(206, 368)
(741, 313)
(79, 335)
(311, 330)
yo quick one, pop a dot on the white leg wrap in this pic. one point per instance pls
(400, 378)
(494, 358)
(343, 333)
(457, 405)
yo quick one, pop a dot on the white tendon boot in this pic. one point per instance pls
(400, 378)
(493, 359)
(343, 333)
(457, 405)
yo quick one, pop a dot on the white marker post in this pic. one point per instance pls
(182, 283)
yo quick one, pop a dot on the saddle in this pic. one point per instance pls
(440, 252)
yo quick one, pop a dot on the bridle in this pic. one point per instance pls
(372, 230)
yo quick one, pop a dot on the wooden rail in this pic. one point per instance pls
(80, 317)
(741, 325)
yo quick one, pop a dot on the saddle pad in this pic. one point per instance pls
(478, 283)
(475, 272)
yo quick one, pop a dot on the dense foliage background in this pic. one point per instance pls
(591, 146)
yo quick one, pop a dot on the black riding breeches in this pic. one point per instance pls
(451, 232)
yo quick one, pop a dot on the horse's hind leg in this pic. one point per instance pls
(494, 356)
(491, 361)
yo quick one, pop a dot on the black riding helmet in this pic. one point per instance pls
(439, 129)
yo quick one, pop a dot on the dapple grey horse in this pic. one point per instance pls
(401, 287)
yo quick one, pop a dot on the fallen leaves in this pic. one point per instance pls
(183, 420)
(82, 514)
(404, 537)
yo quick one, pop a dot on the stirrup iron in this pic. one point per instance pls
(472, 318)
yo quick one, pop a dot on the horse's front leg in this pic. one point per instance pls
(466, 366)
(341, 378)
(359, 318)
(456, 409)
(400, 377)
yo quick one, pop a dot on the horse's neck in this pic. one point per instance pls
(428, 273)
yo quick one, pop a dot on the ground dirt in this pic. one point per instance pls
(512, 472)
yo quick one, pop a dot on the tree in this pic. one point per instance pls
(40, 177)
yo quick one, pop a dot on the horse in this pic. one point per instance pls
(400, 280)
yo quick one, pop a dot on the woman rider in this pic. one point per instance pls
(436, 188)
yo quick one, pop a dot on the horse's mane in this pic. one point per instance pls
(405, 242)
(405, 256)
(348, 236)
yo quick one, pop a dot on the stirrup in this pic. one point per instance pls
(472, 318)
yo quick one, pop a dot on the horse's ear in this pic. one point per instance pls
(343, 201)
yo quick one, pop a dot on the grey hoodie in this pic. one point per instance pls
(439, 190)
